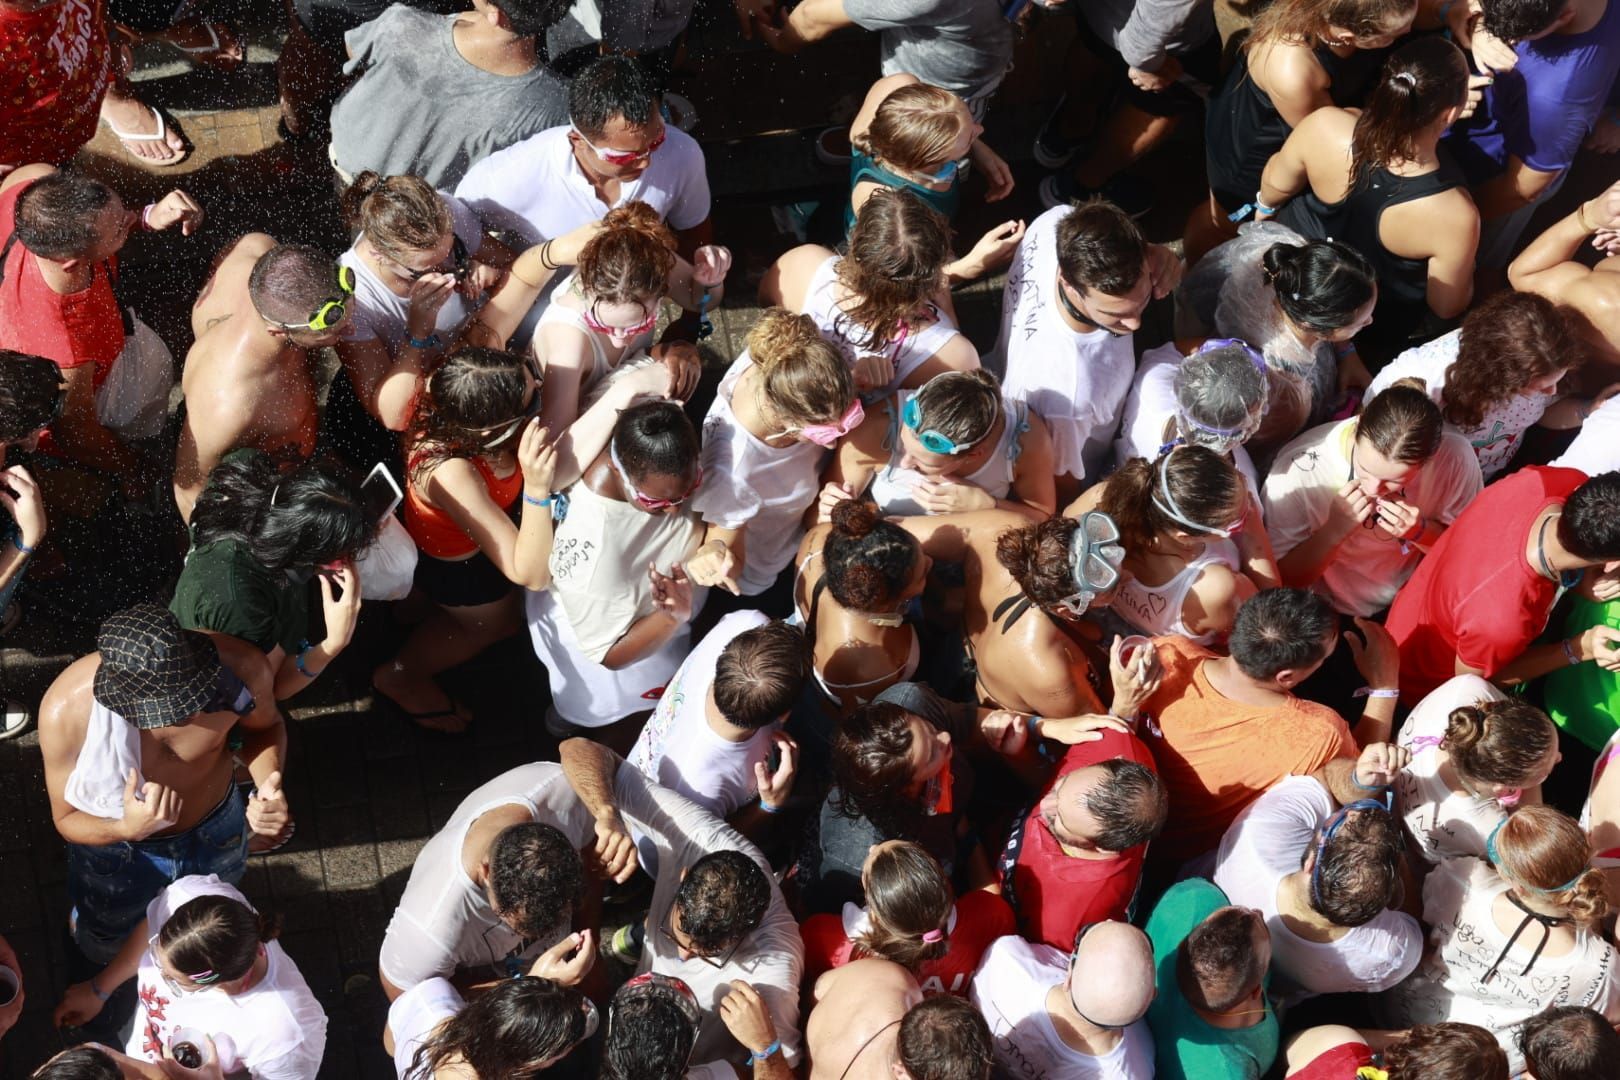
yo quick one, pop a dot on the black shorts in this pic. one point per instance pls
(467, 583)
(1202, 63)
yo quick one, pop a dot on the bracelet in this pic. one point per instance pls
(16, 542)
(101, 995)
(430, 342)
(545, 257)
(769, 809)
(1257, 206)
(1365, 787)
(1034, 724)
(1580, 218)
(1569, 653)
(146, 217)
(532, 501)
(765, 1053)
(1382, 692)
(298, 661)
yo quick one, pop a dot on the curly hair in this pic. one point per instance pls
(868, 560)
(1037, 556)
(721, 900)
(871, 763)
(1510, 339)
(536, 877)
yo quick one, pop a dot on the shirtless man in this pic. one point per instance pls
(140, 765)
(248, 378)
(870, 1022)
(1548, 267)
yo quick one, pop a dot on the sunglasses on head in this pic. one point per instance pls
(458, 259)
(332, 310)
(637, 330)
(623, 157)
(647, 502)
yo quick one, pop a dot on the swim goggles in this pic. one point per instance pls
(1095, 554)
(933, 441)
(623, 157)
(1167, 505)
(332, 310)
(828, 434)
(647, 502)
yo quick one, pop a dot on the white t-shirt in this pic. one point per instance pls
(1596, 448)
(1442, 823)
(444, 921)
(416, 1014)
(1495, 438)
(1150, 408)
(679, 750)
(1369, 568)
(1010, 988)
(277, 1027)
(1265, 845)
(910, 350)
(1077, 382)
(748, 482)
(376, 312)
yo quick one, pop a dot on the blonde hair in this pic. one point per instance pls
(803, 377)
(914, 127)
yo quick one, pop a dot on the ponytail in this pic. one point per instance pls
(803, 378)
(1320, 284)
(1421, 81)
(399, 215)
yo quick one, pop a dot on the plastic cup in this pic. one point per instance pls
(10, 983)
(1129, 645)
(190, 1047)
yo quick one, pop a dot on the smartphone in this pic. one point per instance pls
(380, 493)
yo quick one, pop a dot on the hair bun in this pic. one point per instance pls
(855, 517)
(1464, 727)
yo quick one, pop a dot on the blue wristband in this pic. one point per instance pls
(16, 542)
(532, 501)
(298, 661)
(430, 342)
(775, 1047)
(768, 808)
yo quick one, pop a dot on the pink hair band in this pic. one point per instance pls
(933, 935)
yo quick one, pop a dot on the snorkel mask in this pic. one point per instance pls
(1095, 554)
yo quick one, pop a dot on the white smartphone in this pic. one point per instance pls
(380, 493)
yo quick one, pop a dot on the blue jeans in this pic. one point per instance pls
(110, 885)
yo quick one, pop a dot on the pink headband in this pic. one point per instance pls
(933, 936)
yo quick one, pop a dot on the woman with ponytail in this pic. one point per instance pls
(207, 963)
(1379, 181)
(955, 445)
(913, 917)
(781, 407)
(1427, 1052)
(518, 1028)
(1476, 754)
(1512, 934)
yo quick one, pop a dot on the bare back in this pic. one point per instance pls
(855, 1023)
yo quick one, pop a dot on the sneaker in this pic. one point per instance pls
(1052, 148)
(833, 147)
(1132, 196)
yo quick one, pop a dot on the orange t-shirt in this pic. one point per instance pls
(1216, 755)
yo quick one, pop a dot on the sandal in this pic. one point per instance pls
(264, 845)
(14, 721)
(224, 49)
(161, 136)
(454, 721)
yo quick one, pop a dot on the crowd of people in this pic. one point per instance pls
(1083, 703)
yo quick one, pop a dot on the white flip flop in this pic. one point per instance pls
(160, 136)
(14, 719)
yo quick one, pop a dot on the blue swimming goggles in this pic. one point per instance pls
(933, 441)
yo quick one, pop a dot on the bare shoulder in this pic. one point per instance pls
(788, 278)
(65, 709)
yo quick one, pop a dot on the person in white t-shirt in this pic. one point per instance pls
(1476, 754)
(1596, 449)
(516, 1028)
(1074, 1017)
(1332, 928)
(1074, 297)
(616, 150)
(206, 962)
(1495, 376)
(1352, 506)
(781, 407)
(718, 725)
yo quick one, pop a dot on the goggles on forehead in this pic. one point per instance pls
(1195, 432)
(1095, 554)
(332, 310)
(1167, 504)
(828, 434)
(647, 502)
(1334, 824)
(933, 441)
(589, 315)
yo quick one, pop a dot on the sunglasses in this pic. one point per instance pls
(932, 441)
(666, 926)
(1094, 557)
(458, 260)
(506, 428)
(947, 172)
(637, 330)
(647, 502)
(828, 434)
(331, 311)
(623, 157)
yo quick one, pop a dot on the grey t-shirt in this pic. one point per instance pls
(420, 108)
(964, 46)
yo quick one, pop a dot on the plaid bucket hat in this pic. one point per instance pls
(153, 673)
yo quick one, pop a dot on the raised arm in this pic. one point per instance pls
(1548, 267)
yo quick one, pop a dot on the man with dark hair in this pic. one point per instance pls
(1322, 862)
(1226, 728)
(60, 233)
(437, 93)
(716, 735)
(1211, 1016)
(1076, 857)
(248, 380)
(614, 149)
(1569, 1042)
(1484, 592)
(944, 1038)
(1075, 294)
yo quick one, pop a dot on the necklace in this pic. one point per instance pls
(1541, 549)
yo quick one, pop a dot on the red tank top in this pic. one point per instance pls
(435, 531)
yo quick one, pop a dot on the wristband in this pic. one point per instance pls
(765, 1053)
(1383, 692)
(298, 661)
(146, 217)
(769, 809)
(532, 501)
(1569, 653)
(101, 995)
(1365, 787)
(430, 342)
(1034, 723)
(705, 327)
(1258, 206)
(16, 542)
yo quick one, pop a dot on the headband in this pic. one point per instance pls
(1496, 861)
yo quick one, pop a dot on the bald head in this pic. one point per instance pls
(1111, 978)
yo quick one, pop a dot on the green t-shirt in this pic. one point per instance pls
(1187, 1046)
(225, 589)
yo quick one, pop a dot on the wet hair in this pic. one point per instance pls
(1543, 848)
(760, 674)
(1421, 80)
(511, 1030)
(871, 764)
(1590, 524)
(213, 939)
(535, 877)
(629, 261)
(908, 894)
(655, 438)
(803, 377)
(1037, 556)
(1448, 1051)
(1403, 423)
(1130, 805)
(611, 87)
(1320, 284)
(1306, 21)
(472, 391)
(1100, 248)
(722, 900)
(914, 128)
(291, 281)
(1516, 20)
(868, 562)
(648, 1038)
(304, 517)
(56, 215)
(531, 18)
(1569, 1042)
(1279, 629)
(896, 263)
(1358, 872)
(30, 387)
(399, 215)
(945, 1038)
(1203, 485)
(1218, 961)
(963, 406)
(1505, 342)
(1500, 742)
(88, 1062)
(1220, 388)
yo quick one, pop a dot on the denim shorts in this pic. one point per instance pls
(110, 885)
